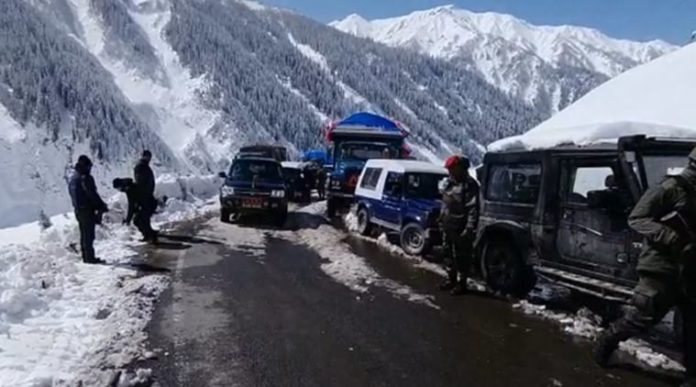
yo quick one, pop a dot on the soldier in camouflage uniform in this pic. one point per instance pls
(458, 220)
(665, 216)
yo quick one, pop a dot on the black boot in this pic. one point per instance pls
(448, 285)
(460, 289)
(606, 345)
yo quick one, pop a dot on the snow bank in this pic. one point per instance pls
(587, 325)
(655, 98)
(62, 321)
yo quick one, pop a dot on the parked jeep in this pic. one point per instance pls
(561, 213)
(401, 196)
(298, 186)
(253, 186)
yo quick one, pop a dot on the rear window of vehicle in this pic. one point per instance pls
(246, 169)
(370, 178)
(514, 183)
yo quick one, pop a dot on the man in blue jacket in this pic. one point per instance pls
(88, 206)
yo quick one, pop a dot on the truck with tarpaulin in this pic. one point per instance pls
(354, 140)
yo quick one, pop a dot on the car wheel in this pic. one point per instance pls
(280, 218)
(225, 215)
(364, 225)
(504, 270)
(413, 239)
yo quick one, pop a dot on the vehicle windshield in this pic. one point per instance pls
(363, 151)
(423, 185)
(658, 167)
(248, 169)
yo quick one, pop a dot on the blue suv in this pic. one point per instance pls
(401, 196)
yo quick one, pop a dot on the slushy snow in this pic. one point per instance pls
(63, 322)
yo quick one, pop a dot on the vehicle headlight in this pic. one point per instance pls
(278, 193)
(227, 190)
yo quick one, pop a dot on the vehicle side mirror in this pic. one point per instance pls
(222, 175)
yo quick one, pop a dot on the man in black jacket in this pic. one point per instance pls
(666, 267)
(145, 184)
(88, 206)
(137, 208)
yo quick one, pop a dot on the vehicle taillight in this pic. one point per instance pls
(353, 181)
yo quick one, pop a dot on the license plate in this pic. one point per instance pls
(252, 203)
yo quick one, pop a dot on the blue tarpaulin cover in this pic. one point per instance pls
(369, 120)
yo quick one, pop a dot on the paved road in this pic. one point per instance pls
(254, 307)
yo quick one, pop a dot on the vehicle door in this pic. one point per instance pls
(594, 239)
(392, 198)
(369, 190)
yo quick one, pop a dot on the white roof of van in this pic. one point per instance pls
(405, 166)
(292, 164)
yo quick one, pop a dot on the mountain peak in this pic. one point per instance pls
(445, 30)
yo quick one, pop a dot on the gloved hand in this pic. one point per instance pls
(669, 237)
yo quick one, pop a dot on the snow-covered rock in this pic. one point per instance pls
(654, 99)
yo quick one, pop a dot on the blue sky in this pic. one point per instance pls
(670, 20)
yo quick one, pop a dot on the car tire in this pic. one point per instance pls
(280, 218)
(225, 215)
(364, 225)
(413, 239)
(504, 270)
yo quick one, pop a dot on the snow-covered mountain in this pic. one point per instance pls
(546, 66)
(654, 99)
(195, 80)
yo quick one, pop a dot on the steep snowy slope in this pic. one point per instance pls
(655, 98)
(195, 80)
(548, 67)
(55, 103)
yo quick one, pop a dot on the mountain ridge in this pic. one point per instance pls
(546, 66)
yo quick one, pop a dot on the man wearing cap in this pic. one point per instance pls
(665, 217)
(88, 206)
(458, 220)
(145, 183)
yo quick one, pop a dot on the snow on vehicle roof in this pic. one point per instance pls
(655, 99)
(543, 138)
(293, 164)
(405, 166)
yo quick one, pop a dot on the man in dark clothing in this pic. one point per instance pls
(88, 206)
(321, 182)
(145, 184)
(144, 177)
(458, 220)
(137, 207)
(666, 267)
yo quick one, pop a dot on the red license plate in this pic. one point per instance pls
(252, 203)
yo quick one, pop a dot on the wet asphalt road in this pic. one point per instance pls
(238, 315)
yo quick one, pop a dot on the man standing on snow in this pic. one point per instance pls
(458, 220)
(136, 214)
(666, 217)
(88, 206)
(145, 183)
